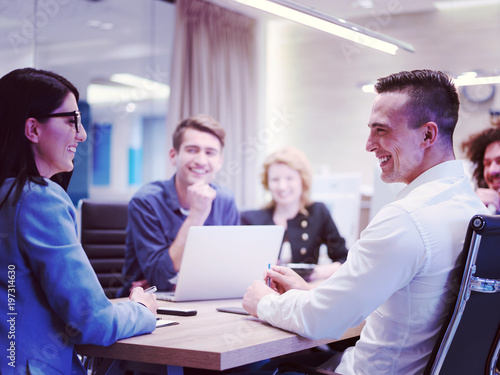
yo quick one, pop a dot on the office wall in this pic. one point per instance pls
(313, 79)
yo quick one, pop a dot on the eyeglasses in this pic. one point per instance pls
(77, 116)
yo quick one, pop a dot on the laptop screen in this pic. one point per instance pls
(220, 262)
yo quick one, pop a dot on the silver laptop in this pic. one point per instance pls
(220, 262)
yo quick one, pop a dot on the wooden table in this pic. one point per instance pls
(210, 340)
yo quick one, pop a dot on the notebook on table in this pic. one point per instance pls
(220, 262)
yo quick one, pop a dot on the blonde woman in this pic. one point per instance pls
(287, 176)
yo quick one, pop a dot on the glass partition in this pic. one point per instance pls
(118, 54)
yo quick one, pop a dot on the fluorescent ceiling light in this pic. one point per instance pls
(368, 88)
(324, 22)
(126, 88)
(454, 4)
(465, 79)
(139, 82)
(470, 80)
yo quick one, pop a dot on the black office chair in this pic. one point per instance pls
(469, 342)
(103, 233)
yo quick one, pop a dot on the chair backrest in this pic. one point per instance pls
(103, 233)
(469, 341)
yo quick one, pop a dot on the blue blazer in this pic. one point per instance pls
(51, 298)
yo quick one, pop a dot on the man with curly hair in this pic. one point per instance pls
(483, 149)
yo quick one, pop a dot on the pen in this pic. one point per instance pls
(151, 289)
(268, 278)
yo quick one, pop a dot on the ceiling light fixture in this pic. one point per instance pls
(453, 4)
(465, 79)
(369, 88)
(469, 80)
(96, 24)
(126, 87)
(324, 22)
(139, 82)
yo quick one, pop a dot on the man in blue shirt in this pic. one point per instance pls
(161, 213)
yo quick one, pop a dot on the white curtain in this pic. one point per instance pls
(214, 72)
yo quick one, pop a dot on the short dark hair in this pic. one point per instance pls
(26, 93)
(475, 148)
(202, 123)
(433, 97)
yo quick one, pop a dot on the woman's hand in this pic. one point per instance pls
(142, 283)
(147, 299)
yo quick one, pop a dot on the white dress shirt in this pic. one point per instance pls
(398, 277)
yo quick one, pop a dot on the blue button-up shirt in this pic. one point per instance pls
(154, 219)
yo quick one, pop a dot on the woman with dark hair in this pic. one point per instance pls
(52, 297)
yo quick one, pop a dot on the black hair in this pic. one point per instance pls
(26, 93)
(432, 97)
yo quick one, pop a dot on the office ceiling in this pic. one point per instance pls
(100, 30)
(91, 21)
(346, 9)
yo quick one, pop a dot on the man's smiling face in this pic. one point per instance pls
(199, 157)
(491, 162)
(397, 147)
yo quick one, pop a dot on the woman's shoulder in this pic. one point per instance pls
(317, 207)
(40, 196)
(51, 190)
(46, 206)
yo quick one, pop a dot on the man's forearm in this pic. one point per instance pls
(176, 250)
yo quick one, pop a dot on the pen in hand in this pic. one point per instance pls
(151, 289)
(268, 278)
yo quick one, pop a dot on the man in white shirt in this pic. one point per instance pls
(401, 274)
